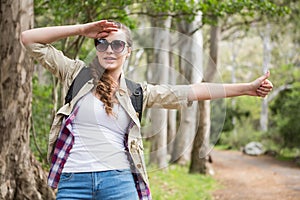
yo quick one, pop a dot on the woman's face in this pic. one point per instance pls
(111, 60)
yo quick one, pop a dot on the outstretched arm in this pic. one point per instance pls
(204, 91)
(48, 35)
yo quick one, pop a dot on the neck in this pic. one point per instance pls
(115, 75)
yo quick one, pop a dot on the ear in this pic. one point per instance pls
(128, 53)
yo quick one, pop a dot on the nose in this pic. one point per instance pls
(109, 49)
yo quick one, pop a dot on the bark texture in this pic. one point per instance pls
(158, 152)
(201, 142)
(21, 176)
(267, 50)
(191, 69)
(200, 150)
(172, 114)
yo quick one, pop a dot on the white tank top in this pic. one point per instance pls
(99, 138)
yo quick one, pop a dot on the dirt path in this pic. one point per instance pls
(254, 178)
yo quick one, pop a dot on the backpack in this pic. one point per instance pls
(85, 75)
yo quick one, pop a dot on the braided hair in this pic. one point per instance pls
(105, 86)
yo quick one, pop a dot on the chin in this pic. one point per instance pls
(109, 67)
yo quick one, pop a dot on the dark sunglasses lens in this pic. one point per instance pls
(102, 45)
(117, 46)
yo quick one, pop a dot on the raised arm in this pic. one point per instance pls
(204, 91)
(48, 35)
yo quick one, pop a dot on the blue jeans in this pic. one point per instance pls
(106, 185)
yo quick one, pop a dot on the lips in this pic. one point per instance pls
(109, 58)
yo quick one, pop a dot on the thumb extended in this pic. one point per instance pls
(264, 77)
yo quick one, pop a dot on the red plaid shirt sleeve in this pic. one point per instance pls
(63, 145)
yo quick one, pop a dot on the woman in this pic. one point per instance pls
(88, 148)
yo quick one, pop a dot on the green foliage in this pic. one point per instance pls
(213, 9)
(218, 118)
(177, 183)
(67, 11)
(288, 154)
(243, 133)
(246, 114)
(179, 10)
(246, 127)
(286, 112)
(235, 112)
(42, 106)
(50, 13)
(64, 12)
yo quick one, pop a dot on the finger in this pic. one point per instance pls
(110, 29)
(267, 74)
(267, 88)
(261, 93)
(105, 23)
(264, 77)
(105, 32)
(105, 29)
(264, 89)
(102, 34)
(105, 26)
(267, 83)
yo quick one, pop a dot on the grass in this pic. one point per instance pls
(286, 154)
(222, 147)
(176, 183)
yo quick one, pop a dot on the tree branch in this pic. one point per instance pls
(158, 15)
(34, 138)
(234, 26)
(278, 90)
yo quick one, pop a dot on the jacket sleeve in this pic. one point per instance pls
(166, 96)
(54, 61)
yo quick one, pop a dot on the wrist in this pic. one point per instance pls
(249, 89)
(80, 29)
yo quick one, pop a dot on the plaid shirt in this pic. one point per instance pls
(62, 149)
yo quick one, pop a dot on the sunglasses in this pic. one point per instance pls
(117, 45)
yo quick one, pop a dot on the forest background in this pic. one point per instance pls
(176, 42)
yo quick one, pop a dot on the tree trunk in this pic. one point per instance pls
(266, 62)
(158, 152)
(201, 143)
(21, 175)
(172, 114)
(235, 50)
(191, 68)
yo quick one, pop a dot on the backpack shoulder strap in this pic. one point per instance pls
(136, 96)
(83, 77)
